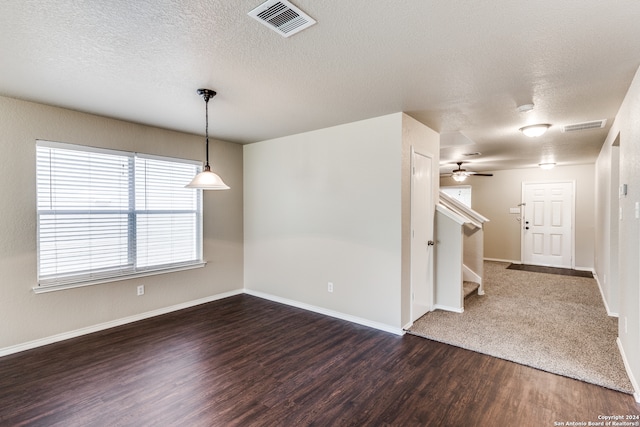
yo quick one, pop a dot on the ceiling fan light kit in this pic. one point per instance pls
(533, 131)
(459, 175)
(207, 180)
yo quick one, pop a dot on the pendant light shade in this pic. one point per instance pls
(207, 180)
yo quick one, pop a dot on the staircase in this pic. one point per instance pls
(469, 287)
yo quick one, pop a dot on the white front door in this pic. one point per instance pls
(547, 224)
(422, 211)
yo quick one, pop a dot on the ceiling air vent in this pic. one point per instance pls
(596, 124)
(282, 17)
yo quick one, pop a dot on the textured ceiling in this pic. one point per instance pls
(460, 67)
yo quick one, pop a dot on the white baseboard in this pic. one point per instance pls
(503, 260)
(634, 383)
(447, 308)
(604, 300)
(106, 325)
(375, 325)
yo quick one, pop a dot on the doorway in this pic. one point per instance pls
(422, 212)
(547, 223)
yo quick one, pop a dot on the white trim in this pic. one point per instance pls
(604, 301)
(634, 383)
(503, 260)
(130, 319)
(447, 308)
(113, 323)
(460, 208)
(321, 310)
(42, 289)
(458, 219)
(431, 277)
(470, 276)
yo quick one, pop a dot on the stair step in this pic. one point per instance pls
(469, 287)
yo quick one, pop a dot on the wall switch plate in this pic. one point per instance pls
(140, 290)
(637, 210)
(330, 287)
(622, 192)
(514, 210)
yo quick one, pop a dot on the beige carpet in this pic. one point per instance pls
(550, 322)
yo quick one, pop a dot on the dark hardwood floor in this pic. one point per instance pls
(244, 361)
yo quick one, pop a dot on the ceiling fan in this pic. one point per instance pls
(460, 174)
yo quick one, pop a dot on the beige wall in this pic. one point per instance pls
(332, 206)
(618, 249)
(493, 196)
(324, 206)
(26, 317)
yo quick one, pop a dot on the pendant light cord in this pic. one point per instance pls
(206, 131)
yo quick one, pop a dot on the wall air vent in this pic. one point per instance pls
(282, 17)
(596, 124)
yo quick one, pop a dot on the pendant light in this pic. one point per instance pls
(207, 180)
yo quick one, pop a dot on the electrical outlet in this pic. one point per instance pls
(330, 287)
(140, 290)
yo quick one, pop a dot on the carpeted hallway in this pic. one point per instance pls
(555, 323)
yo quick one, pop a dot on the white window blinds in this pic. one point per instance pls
(105, 215)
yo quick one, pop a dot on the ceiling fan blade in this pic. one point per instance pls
(480, 174)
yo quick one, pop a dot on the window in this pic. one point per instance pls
(106, 215)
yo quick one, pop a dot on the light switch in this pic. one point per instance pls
(514, 210)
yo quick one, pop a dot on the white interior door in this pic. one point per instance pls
(422, 211)
(547, 224)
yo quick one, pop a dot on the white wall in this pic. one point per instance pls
(324, 206)
(26, 317)
(493, 196)
(626, 130)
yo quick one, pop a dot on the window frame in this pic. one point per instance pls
(121, 272)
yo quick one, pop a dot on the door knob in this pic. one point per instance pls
(430, 243)
(526, 228)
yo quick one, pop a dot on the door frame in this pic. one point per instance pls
(573, 215)
(430, 257)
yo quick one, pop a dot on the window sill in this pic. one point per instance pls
(52, 288)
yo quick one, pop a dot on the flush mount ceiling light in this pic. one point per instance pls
(207, 180)
(525, 108)
(547, 165)
(535, 130)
